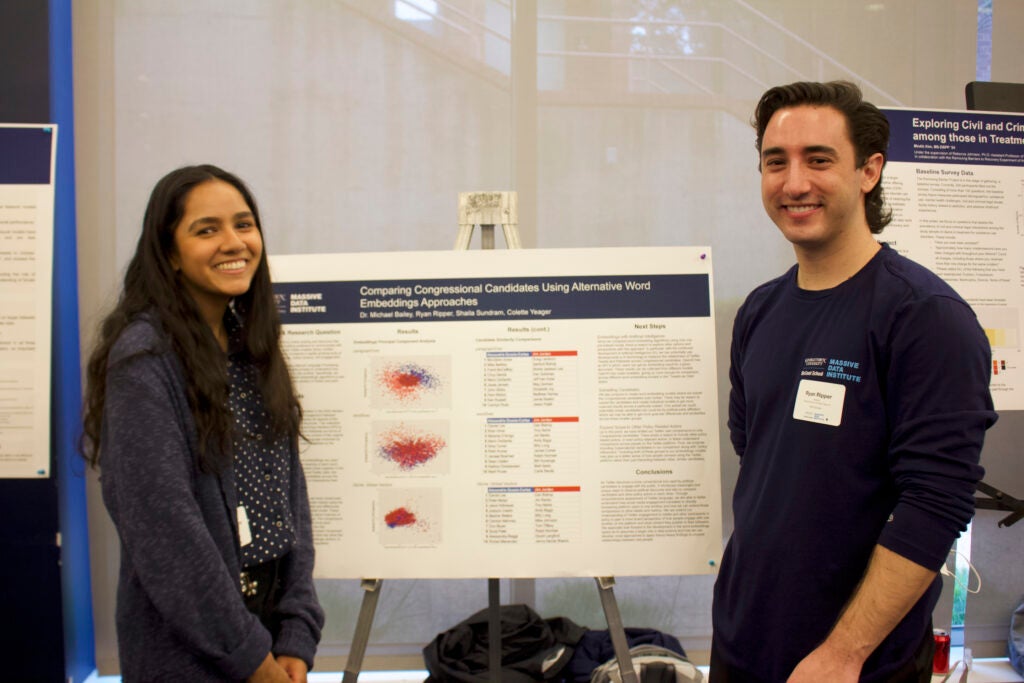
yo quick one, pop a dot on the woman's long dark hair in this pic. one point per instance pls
(152, 286)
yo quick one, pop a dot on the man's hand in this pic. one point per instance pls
(826, 664)
(890, 587)
(295, 667)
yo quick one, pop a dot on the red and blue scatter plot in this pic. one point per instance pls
(408, 521)
(411, 517)
(408, 381)
(408, 449)
(400, 517)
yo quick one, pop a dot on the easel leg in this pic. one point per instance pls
(615, 628)
(494, 627)
(362, 635)
(511, 236)
(463, 238)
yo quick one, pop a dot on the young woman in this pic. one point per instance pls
(191, 416)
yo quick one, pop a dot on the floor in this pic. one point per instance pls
(322, 677)
(982, 671)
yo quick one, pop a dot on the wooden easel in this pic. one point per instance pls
(488, 209)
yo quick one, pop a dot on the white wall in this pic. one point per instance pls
(356, 131)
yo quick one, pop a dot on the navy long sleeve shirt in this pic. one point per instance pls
(859, 414)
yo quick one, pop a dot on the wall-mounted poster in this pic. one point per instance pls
(27, 156)
(512, 413)
(955, 183)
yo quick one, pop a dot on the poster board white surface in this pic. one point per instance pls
(955, 183)
(27, 162)
(512, 413)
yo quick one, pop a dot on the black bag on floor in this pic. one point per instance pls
(532, 648)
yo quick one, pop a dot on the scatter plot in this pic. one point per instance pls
(410, 383)
(409, 517)
(400, 517)
(407, 380)
(410, 447)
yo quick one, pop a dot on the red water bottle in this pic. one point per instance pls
(940, 664)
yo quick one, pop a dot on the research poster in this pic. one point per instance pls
(955, 183)
(507, 413)
(27, 156)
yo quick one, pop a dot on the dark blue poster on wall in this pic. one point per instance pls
(945, 137)
(25, 155)
(954, 182)
(523, 298)
(26, 268)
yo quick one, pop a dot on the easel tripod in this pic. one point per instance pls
(488, 209)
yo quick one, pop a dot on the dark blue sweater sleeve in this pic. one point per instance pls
(148, 483)
(938, 407)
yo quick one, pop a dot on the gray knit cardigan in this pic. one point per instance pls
(180, 612)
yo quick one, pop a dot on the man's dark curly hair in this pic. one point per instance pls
(867, 126)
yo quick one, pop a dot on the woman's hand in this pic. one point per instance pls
(295, 667)
(271, 671)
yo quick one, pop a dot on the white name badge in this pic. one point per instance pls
(820, 402)
(244, 534)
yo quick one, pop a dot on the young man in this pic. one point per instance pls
(858, 407)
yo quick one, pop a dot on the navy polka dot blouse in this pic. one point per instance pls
(262, 469)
